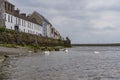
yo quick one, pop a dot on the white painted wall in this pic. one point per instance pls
(9, 25)
(24, 26)
(49, 31)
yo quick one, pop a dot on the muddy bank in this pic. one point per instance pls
(20, 51)
(26, 51)
(6, 52)
(9, 51)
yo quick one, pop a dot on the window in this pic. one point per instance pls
(24, 30)
(11, 19)
(5, 17)
(16, 20)
(36, 33)
(19, 22)
(8, 18)
(32, 25)
(24, 23)
(8, 6)
(28, 24)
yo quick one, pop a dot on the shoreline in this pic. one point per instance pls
(19, 50)
(114, 44)
(7, 51)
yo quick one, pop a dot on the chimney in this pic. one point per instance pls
(17, 11)
(23, 14)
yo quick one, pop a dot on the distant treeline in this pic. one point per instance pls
(114, 44)
(20, 38)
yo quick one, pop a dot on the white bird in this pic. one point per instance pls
(96, 52)
(66, 50)
(47, 52)
(30, 51)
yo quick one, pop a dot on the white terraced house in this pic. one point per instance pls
(20, 22)
(33, 23)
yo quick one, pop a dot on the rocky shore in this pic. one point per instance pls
(4, 52)
(20, 50)
(25, 51)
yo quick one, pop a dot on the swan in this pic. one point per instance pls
(30, 51)
(66, 50)
(96, 52)
(47, 52)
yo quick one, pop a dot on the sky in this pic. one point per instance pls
(83, 21)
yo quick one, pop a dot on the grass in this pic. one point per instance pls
(34, 48)
(10, 36)
(9, 45)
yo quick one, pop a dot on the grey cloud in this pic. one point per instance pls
(84, 21)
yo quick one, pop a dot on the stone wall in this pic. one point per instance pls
(13, 37)
(2, 10)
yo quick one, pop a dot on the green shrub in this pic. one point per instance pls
(9, 45)
(8, 36)
(2, 29)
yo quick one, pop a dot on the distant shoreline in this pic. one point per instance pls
(114, 44)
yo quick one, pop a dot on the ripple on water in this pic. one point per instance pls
(80, 64)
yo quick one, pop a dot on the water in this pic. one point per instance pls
(80, 63)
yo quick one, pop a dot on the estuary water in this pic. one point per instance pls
(80, 63)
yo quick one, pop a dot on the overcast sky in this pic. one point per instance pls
(83, 21)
